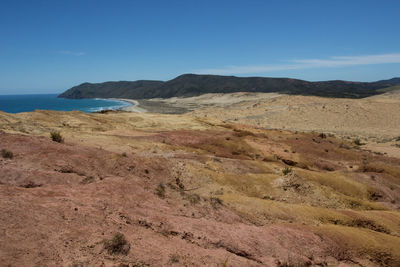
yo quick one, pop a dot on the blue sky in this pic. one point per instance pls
(49, 46)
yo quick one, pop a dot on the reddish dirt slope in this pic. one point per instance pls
(53, 214)
(207, 194)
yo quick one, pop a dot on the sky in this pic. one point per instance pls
(50, 46)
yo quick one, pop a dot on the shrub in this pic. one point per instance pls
(357, 141)
(287, 170)
(160, 190)
(117, 245)
(173, 258)
(7, 154)
(215, 202)
(56, 137)
(193, 198)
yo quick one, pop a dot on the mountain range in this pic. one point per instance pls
(192, 84)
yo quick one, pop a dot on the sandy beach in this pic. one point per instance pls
(134, 107)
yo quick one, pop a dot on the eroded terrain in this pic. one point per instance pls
(191, 190)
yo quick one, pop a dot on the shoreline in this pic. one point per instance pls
(133, 107)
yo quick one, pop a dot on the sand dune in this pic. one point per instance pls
(374, 120)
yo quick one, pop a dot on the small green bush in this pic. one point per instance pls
(56, 137)
(7, 154)
(287, 170)
(215, 202)
(117, 245)
(160, 190)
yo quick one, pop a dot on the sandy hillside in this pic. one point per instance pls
(374, 117)
(370, 118)
(179, 105)
(143, 189)
(374, 120)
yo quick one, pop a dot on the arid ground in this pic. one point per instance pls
(257, 180)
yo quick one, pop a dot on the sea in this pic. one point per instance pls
(25, 103)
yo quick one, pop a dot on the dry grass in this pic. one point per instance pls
(381, 247)
(381, 167)
(250, 184)
(339, 182)
(266, 210)
(322, 189)
(228, 148)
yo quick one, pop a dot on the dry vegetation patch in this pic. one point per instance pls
(117, 244)
(7, 154)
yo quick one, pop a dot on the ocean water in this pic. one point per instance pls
(25, 103)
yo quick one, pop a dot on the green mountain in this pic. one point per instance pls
(192, 85)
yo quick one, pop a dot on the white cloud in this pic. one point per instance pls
(72, 53)
(338, 61)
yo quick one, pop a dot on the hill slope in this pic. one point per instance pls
(192, 85)
(190, 191)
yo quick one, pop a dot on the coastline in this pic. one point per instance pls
(133, 107)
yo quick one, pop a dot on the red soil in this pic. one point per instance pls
(60, 201)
